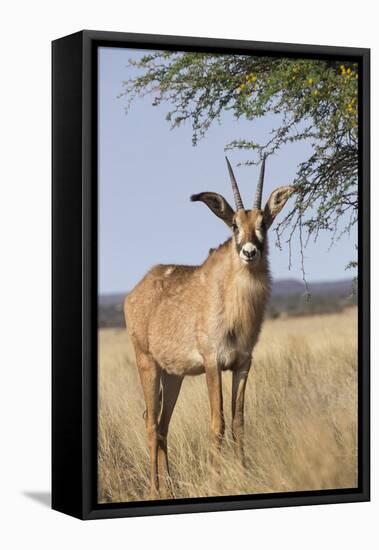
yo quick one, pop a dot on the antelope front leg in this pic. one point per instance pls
(240, 375)
(170, 390)
(150, 379)
(214, 383)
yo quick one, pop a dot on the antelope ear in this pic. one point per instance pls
(275, 203)
(217, 204)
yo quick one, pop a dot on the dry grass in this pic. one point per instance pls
(301, 416)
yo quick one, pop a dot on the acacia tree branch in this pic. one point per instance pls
(313, 100)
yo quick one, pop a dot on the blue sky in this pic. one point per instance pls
(147, 173)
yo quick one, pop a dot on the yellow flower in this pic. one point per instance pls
(348, 70)
(343, 70)
(251, 77)
(310, 81)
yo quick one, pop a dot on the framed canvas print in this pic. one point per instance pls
(210, 275)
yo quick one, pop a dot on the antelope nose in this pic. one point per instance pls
(249, 253)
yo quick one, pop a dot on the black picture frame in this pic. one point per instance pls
(74, 273)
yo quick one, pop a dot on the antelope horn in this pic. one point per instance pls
(258, 195)
(236, 193)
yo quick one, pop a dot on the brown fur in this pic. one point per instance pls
(189, 320)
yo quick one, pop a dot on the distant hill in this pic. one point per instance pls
(288, 297)
(111, 299)
(283, 287)
(280, 287)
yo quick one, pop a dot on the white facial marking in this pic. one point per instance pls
(259, 234)
(248, 258)
(240, 236)
(248, 247)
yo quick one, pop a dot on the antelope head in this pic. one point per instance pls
(249, 227)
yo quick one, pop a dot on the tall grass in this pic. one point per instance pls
(300, 416)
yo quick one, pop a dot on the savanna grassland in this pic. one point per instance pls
(300, 416)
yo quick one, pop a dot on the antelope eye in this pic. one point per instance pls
(234, 227)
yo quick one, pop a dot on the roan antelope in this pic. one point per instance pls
(189, 320)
